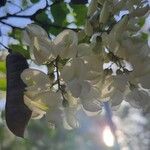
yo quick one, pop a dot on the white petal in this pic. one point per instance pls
(91, 113)
(67, 73)
(71, 118)
(66, 36)
(145, 81)
(138, 98)
(105, 13)
(42, 50)
(86, 87)
(80, 68)
(94, 63)
(54, 117)
(75, 87)
(91, 106)
(116, 98)
(66, 125)
(25, 38)
(73, 102)
(88, 28)
(91, 100)
(38, 108)
(84, 49)
(65, 44)
(36, 30)
(34, 77)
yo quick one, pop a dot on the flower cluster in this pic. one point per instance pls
(112, 66)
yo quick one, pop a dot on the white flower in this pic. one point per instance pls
(37, 107)
(65, 44)
(70, 119)
(37, 83)
(94, 65)
(138, 98)
(91, 100)
(41, 48)
(84, 49)
(145, 80)
(73, 74)
(113, 89)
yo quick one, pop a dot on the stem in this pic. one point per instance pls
(58, 77)
(9, 50)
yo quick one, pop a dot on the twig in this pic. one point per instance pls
(58, 77)
(9, 50)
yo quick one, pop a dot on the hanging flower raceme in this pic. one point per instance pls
(83, 80)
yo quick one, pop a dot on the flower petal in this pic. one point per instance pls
(65, 43)
(35, 78)
(71, 118)
(42, 50)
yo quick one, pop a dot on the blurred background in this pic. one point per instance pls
(133, 127)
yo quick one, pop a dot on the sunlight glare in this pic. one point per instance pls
(108, 137)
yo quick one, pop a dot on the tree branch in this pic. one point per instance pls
(9, 50)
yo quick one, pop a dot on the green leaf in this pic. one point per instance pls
(59, 13)
(43, 20)
(80, 13)
(16, 34)
(145, 36)
(21, 50)
(34, 1)
(3, 66)
(2, 84)
(141, 22)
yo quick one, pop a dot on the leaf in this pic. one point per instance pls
(43, 19)
(19, 49)
(16, 33)
(17, 113)
(144, 36)
(3, 84)
(78, 10)
(34, 1)
(59, 13)
(141, 21)
(2, 66)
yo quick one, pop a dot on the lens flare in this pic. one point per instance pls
(108, 137)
